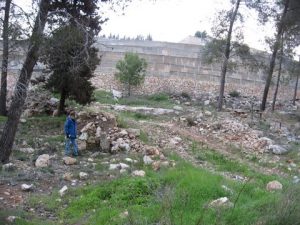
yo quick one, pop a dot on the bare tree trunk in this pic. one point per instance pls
(3, 92)
(129, 90)
(227, 54)
(15, 109)
(273, 57)
(279, 75)
(61, 106)
(296, 89)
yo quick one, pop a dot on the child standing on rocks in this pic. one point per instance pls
(71, 134)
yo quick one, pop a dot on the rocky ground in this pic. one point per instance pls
(268, 143)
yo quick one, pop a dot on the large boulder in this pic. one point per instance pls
(277, 149)
(42, 161)
(69, 160)
(274, 186)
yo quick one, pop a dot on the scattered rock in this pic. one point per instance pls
(207, 113)
(175, 141)
(42, 161)
(135, 132)
(81, 145)
(116, 94)
(123, 171)
(164, 164)
(152, 150)
(206, 102)
(123, 133)
(178, 108)
(147, 160)
(114, 166)
(124, 214)
(221, 202)
(129, 160)
(84, 136)
(274, 186)
(83, 176)
(63, 191)
(27, 150)
(139, 173)
(26, 187)
(68, 176)
(23, 120)
(8, 167)
(11, 219)
(104, 142)
(124, 166)
(69, 160)
(276, 149)
(296, 180)
(156, 165)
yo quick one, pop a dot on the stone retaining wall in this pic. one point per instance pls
(176, 84)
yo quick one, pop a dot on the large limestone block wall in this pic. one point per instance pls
(174, 67)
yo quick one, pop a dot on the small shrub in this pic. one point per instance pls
(234, 94)
(121, 122)
(185, 95)
(159, 97)
(191, 121)
(287, 208)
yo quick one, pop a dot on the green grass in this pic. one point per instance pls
(161, 100)
(104, 97)
(3, 119)
(178, 196)
(144, 137)
(136, 116)
(222, 163)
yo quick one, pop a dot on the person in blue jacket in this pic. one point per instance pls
(71, 134)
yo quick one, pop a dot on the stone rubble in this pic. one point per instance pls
(274, 186)
(63, 191)
(42, 161)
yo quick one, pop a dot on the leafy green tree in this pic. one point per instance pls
(201, 34)
(45, 8)
(72, 62)
(131, 70)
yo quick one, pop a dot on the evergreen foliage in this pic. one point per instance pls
(131, 70)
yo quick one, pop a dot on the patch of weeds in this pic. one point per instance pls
(161, 100)
(121, 121)
(47, 170)
(144, 137)
(136, 115)
(263, 125)
(3, 119)
(22, 218)
(223, 163)
(285, 210)
(104, 97)
(22, 156)
(185, 95)
(52, 140)
(52, 203)
(178, 195)
(159, 97)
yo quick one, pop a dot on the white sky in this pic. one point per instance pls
(173, 20)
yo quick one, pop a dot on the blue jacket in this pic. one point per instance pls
(70, 127)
